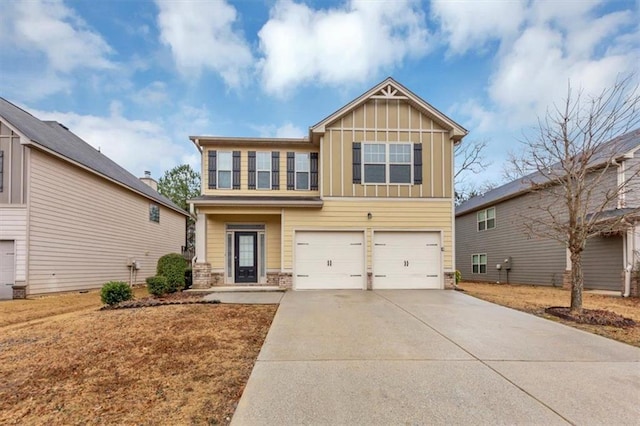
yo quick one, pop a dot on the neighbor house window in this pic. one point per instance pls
(479, 263)
(225, 168)
(263, 170)
(486, 219)
(387, 163)
(302, 171)
(154, 213)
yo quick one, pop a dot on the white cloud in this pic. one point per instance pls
(340, 45)
(154, 94)
(54, 30)
(286, 130)
(201, 36)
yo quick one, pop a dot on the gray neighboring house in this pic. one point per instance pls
(71, 218)
(490, 231)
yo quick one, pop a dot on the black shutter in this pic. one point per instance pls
(291, 170)
(275, 170)
(356, 163)
(313, 167)
(417, 163)
(252, 170)
(212, 170)
(236, 169)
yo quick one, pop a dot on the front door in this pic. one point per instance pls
(246, 257)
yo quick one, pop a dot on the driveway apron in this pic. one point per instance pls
(432, 357)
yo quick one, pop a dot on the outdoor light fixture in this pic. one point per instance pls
(369, 215)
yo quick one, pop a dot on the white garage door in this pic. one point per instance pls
(406, 260)
(329, 260)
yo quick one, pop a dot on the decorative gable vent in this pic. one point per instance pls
(388, 92)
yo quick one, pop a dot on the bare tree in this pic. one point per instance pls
(470, 159)
(574, 153)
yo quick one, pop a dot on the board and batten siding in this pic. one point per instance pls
(83, 229)
(386, 121)
(13, 189)
(602, 263)
(386, 214)
(534, 260)
(13, 226)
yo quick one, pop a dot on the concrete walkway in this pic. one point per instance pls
(433, 357)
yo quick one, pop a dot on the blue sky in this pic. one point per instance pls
(136, 78)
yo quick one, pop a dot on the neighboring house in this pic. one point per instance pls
(490, 229)
(70, 218)
(365, 201)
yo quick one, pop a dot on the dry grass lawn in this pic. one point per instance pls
(534, 299)
(160, 365)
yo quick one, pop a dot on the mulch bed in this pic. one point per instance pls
(591, 316)
(168, 299)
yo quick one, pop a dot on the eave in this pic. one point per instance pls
(256, 201)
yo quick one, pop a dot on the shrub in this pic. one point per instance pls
(188, 278)
(172, 267)
(458, 277)
(157, 285)
(115, 292)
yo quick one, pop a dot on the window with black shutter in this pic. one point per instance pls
(275, 170)
(263, 170)
(236, 169)
(212, 170)
(252, 169)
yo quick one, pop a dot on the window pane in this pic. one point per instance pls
(302, 162)
(264, 180)
(224, 161)
(224, 180)
(483, 269)
(302, 180)
(245, 250)
(491, 213)
(475, 269)
(374, 173)
(474, 259)
(481, 226)
(374, 153)
(399, 174)
(481, 215)
(263, 160)
(491, 223)
(483, 259)
(400, 153)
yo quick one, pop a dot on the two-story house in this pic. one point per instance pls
(71, 218)
(492, 243)
(365, 201)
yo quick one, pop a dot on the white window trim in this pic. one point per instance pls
(479, 263)
(387, 163)
(296, 171)
(218, 170)
(258, 170)
(486, 219)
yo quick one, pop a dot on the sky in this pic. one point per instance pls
(136, 78)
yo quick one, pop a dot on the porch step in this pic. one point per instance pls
(237, 288)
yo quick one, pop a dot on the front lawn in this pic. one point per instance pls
(162, 365)
(534, 299)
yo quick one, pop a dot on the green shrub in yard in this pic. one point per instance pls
(172, 267)
(157, 285)
(458, 277)
(115, 292)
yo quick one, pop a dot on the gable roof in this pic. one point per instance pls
(391, 89)
(618, 147)
(53, 136)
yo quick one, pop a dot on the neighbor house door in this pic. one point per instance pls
(246, 257)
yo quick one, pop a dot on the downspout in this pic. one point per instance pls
(629, 267)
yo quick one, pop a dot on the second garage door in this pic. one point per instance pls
(329, 260)
(406, 260)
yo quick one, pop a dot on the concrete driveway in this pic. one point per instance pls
(433, 357)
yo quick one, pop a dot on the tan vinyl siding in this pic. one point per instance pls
(216, 232)
(84, 228)
(244, 171)
(13, 226)
(603, 263)
(386, 214)
(388, 121)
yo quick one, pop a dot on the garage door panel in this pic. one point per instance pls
(329, 260)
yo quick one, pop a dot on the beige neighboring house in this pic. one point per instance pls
(71, 218)
(364, 201)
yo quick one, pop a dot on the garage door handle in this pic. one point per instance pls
(355, 275)
(380, 276)
(302, 275)
(432, 276)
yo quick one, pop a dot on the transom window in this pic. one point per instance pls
(387, 163)
(302, 171)
(479, 263)
(225, 163)
(486, 219)
(263, 170)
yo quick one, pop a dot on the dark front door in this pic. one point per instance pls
(246, 257)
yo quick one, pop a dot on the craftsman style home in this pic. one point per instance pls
(493, 245)
(70, 218)
(364, 201)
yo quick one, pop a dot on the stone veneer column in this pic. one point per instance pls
(449, 280)
(201, 275)
(19, 291)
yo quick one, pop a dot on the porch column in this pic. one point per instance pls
(202, 268)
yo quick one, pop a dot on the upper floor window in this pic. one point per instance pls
(154, 213)
(225, 168)
(479, 263)
(387, 163)
(302, 171)
(486, 219)
(263, 170)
